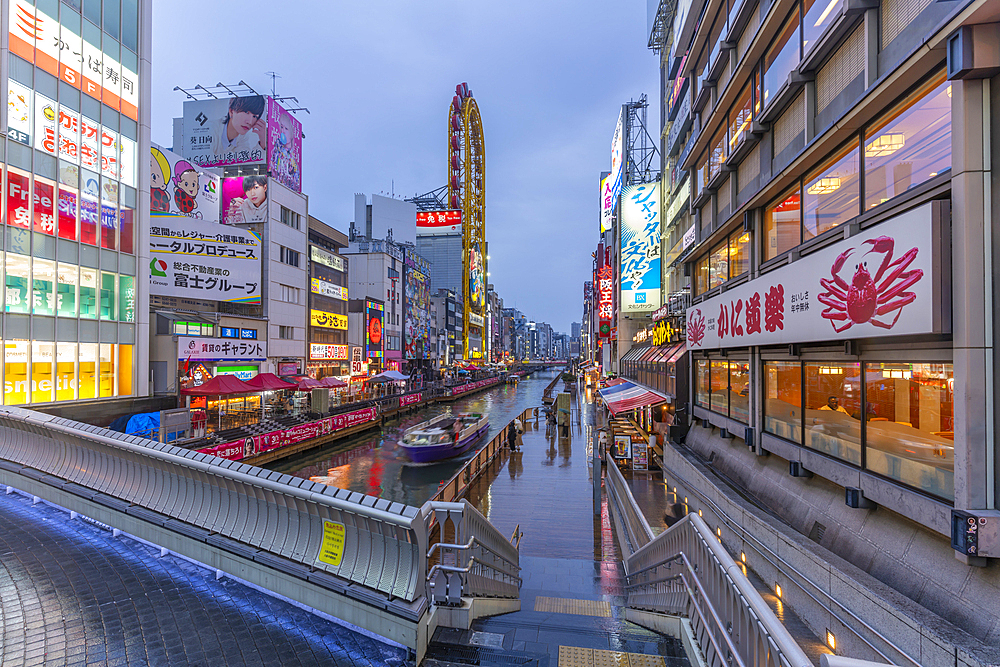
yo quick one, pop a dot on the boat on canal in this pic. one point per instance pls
(436, 440)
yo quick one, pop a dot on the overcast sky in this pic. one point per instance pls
(377, 76)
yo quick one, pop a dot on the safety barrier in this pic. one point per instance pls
(480, 562)
(686, 571)
(361, 539)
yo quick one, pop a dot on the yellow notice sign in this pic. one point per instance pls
(332, 549)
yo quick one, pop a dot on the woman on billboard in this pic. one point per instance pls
(241, 128)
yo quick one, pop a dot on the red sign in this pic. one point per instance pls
(439, 222)
(409, 399)
(472, 386)
(605, 303)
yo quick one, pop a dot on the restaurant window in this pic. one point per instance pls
(702, 271)
(739, 394)
(782, 57)
(783, 399)
(718, 266)
(910, 428)
(831, 193)
(740, 118)
(833, 409)
(781, 224)
(910, 145)
(819, 15)
(739, 254)
(719, 401)
(702, 384)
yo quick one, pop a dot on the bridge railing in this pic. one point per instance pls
(686, 571)
(361, 539)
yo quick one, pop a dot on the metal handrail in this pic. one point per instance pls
(784, 566)
(637, 527)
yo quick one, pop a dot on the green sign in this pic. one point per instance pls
(126, 298)
(17, 294)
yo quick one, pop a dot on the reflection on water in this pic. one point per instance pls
(372, 463)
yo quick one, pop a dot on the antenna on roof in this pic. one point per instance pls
(274, 77)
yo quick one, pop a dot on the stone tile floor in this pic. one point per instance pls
(72, 594)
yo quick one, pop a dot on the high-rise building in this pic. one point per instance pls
(75, 253)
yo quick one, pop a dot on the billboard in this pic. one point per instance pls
(439, 223)
(325, 320)
(477, 279)
(36, 36)
(335, 262)
(374, 312)
(325, 288)
(200, 348)
(244, 200)
(327, 352)
(640, 248)
(284, 146)
(609, 197)
(195, 259)
(220, 132)
(885, 281)
(179, 187)
(416, 312)
(607, 204)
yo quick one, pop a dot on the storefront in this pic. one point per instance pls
(199, 359)
(329, 360)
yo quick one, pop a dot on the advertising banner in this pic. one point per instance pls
(324, 288)
(325, 320)
(176, 186)
(327, 351)
(252, 446)
(222, 132)
(373, 329)
(613, 187)
(198, 348)
(477, 279)
(325, 258)
(473, 386)
(203, 260)
(640, 249)
(605, 305)
(438, 223)
(416, 314)
(607, 205)
(284, 146)
(37, 37)
(410, 399)
(244, 200)
(882, 282)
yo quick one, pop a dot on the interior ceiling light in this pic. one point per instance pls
(886, 144)
(824, 186)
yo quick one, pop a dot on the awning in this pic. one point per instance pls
(634, 353)
(678, 353)
(628, 396)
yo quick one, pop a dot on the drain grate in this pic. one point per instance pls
(474, 655)
(817, 532)
(487, 639)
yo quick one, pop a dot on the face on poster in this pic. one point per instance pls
(416, 341)
(177, 186)
(477, 281)
(284, 146)
(226, 132)
(244, 199)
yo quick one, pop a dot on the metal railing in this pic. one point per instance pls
(686, 571)
(480, 562)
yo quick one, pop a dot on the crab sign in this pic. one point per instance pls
(867, 297)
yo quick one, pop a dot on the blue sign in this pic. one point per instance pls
(230, 332)
(248, 333)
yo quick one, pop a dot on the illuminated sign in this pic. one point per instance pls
(689, 237)
(605, 296)
(374, 312)
(614, 184)
(323, 319)
(435, 223)
(229, 332)
(325, 351)
(640, 248)
(248, 334)
(179, 187)
(325, 258)
(324, 288)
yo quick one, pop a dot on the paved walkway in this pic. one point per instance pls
(572, 595)
(71, 594)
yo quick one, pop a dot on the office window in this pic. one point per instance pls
(718, 153)
(831, 192)
(819, 14)
(288, 256)
(781, 224)
(739, 254)
(290, 294)
(782, 57)
(286, 333)
(701, 169)
(291, 218)
(740, 117)
(910, 145)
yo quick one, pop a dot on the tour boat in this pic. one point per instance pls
(434, 440)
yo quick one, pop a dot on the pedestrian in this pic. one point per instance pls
(512, 436)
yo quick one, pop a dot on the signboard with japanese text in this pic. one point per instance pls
(36, 36)
(325, 320)
(605, 294)
(416, 312)
(203, 260)
(885, 281)
(326, 258)
(284, 146)
(607, 205)
(358, 365)
(228, 131)
(325, 288)
(179, 187)
(199, 348)
(327, 351)
(640, 248)
(609, 196)
(437, 223)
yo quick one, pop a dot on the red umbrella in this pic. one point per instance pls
(333, 382)
(220, 385)
(309, 384)
(268, 382)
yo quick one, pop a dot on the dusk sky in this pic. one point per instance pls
(377, 77)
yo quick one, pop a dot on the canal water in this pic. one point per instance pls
(372, 463)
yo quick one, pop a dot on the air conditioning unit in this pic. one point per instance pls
(976, 532)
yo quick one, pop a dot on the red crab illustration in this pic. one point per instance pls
(865, 298)
(696, 328)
